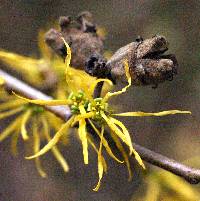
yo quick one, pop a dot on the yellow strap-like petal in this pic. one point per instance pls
(83, 134)
(26, 65)
(100, 163)
(178, 185)
(2, 81)
(60, 159)
(53, 120)
(125, 131)
(115, 129)
(10, 112)
(69, 54)
(84, 116)
(147, 114)
(25, 118)
(110, 94)
(54, 149)
(125, 137)
(77, 79)
(54, 140)
(8, 131)
(67, 63)
(153, 190)
(138, 158)
(83, 137)
(11, 104)
(124, 154)
(70, 77)
(90, 141)
(14, 141)
(36, 148)
(105, 143)
(44, 49)
(91, 89)
(45, 102)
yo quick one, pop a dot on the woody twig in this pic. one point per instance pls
(192, 175)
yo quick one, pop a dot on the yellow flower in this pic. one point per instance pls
(97, 112)
(1, 81)
(42, 122)
(37, 71)
(163, 185)
(29, 67)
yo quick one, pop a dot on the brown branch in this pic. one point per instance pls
(190, 174)
(11, 83)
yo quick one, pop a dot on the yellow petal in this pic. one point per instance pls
(45, 102)
(60, 159)
(105, 143)
(153, 190)
(83, 134)
(4, 96)
(84, 116)
(92, 87)
(26, 65)
(78, 79)
(36, 148)
(90, 141)
(68, 72)
(125, 131)
(2, 81)
(8, 131)
(146, 114)
(25, 118)
(54, 140)
(110, 94)
(69, 54)
(178, 185)
(138, 158)
(44, 49)
(14, 141)
(53, 120)
(115, 129)
(11, 104)
(10, 113)
(54, 149)
(56, 123)
(125, 137)
(100, 163)
(83, 137)
(124, 154)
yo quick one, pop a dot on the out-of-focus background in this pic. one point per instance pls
(174, 136)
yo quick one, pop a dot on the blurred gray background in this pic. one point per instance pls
(175, 136)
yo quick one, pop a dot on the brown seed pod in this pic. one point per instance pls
(147, 62)
(148, 65)
(80, 34)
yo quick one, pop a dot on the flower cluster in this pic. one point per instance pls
(42, 122)
(47, 71)
(96, 112)
(163, 185)
(24, 114)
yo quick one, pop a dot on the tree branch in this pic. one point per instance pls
(190, 174)
(11, 83)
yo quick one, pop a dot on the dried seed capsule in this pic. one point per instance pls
(148, 65)
(81, 36)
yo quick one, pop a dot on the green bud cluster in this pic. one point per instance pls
(98, 106)
(78, 99)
